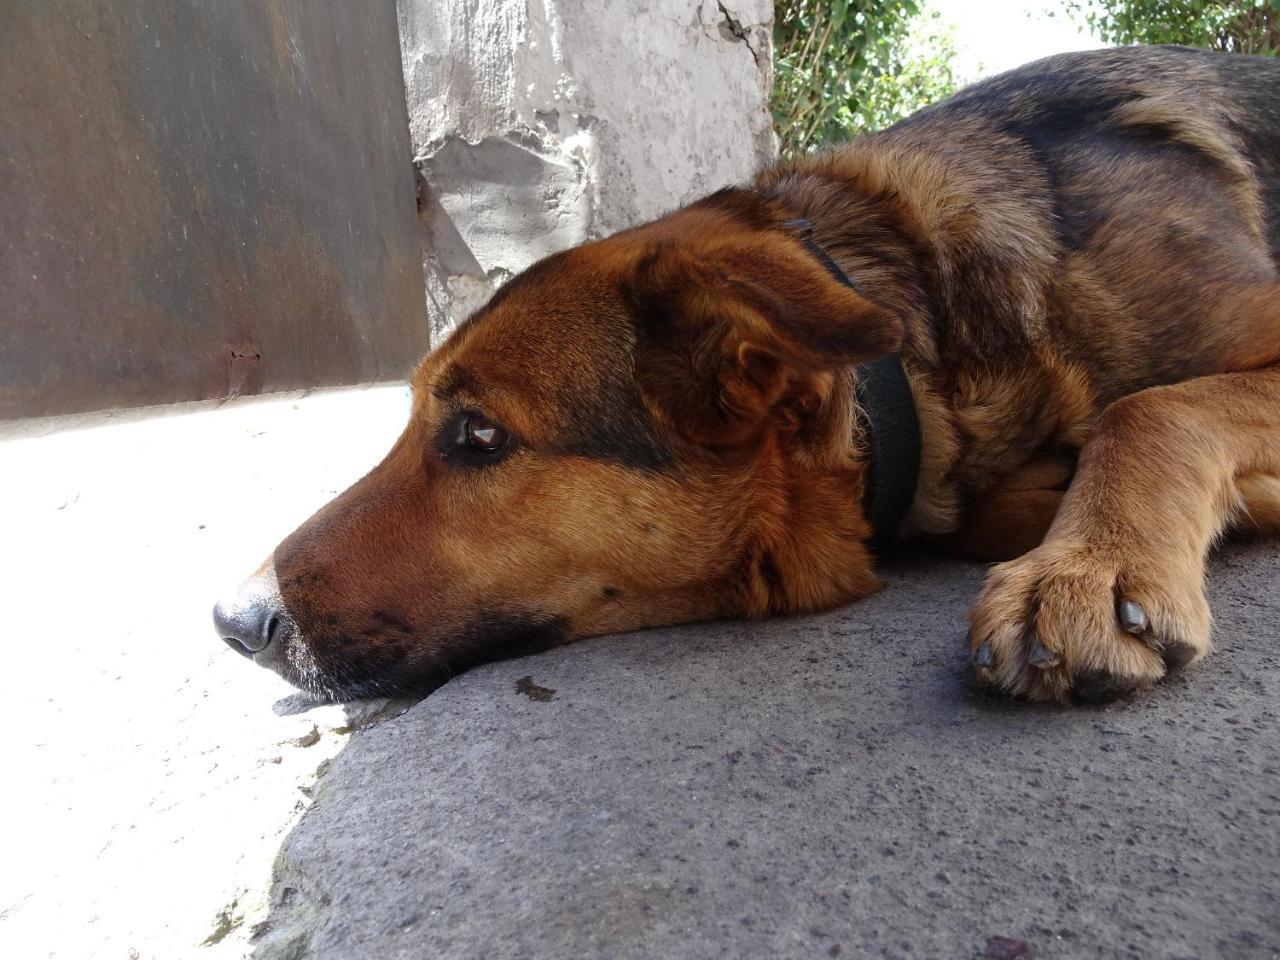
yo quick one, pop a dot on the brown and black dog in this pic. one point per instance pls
(1076, 263)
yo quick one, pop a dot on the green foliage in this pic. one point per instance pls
(1236, 26)
(842, 67)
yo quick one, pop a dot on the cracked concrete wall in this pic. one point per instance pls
(540, 124)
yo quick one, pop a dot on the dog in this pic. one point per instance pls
(1037, 323)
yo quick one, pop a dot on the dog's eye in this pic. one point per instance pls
(470, 439)
(482, 435)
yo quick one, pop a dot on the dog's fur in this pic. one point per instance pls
(1078, 264)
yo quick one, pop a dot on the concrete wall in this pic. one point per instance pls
(538, 124)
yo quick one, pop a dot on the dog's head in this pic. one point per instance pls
(650, 429)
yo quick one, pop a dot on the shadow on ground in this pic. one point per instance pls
(826, 786)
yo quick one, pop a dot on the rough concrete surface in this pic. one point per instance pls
(150, 774)
(539, 124)
(829, 786)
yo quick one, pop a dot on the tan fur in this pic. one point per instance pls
(936, 506)
(1259, 503)
(1203, 130)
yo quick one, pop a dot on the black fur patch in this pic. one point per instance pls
(614, 428)
(772, 578)
(388, 656)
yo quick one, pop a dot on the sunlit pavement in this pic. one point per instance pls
(148, 779)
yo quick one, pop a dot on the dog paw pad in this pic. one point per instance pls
(1099, 686)
(1176, 654)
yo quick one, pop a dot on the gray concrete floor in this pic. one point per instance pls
(822, 786)
(828, 786)
(150, 772)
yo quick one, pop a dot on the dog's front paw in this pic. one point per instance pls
(1065, 622)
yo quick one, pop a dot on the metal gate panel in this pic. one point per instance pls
(202, 199)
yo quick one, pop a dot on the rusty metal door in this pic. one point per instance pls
(202, 199)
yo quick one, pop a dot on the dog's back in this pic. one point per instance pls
(1106, 105)
(1104, 205)
(1253, 83)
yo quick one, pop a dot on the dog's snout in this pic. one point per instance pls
(249, 619)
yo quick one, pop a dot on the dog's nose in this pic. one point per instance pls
(247, 622)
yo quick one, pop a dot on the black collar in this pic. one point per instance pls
(893, 429)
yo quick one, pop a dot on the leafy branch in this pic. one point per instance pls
(847, 66)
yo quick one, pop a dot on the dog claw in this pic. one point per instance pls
(982, 656)
(1043, 658)
(1133, 619)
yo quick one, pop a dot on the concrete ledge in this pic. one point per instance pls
(828, 786)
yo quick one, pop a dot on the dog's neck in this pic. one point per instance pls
(870, 237)
(892, 428)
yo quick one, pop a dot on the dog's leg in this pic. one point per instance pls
(1260, 494)
(1014, 515)
(1115, 594)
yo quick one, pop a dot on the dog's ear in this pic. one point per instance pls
(728, 334)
